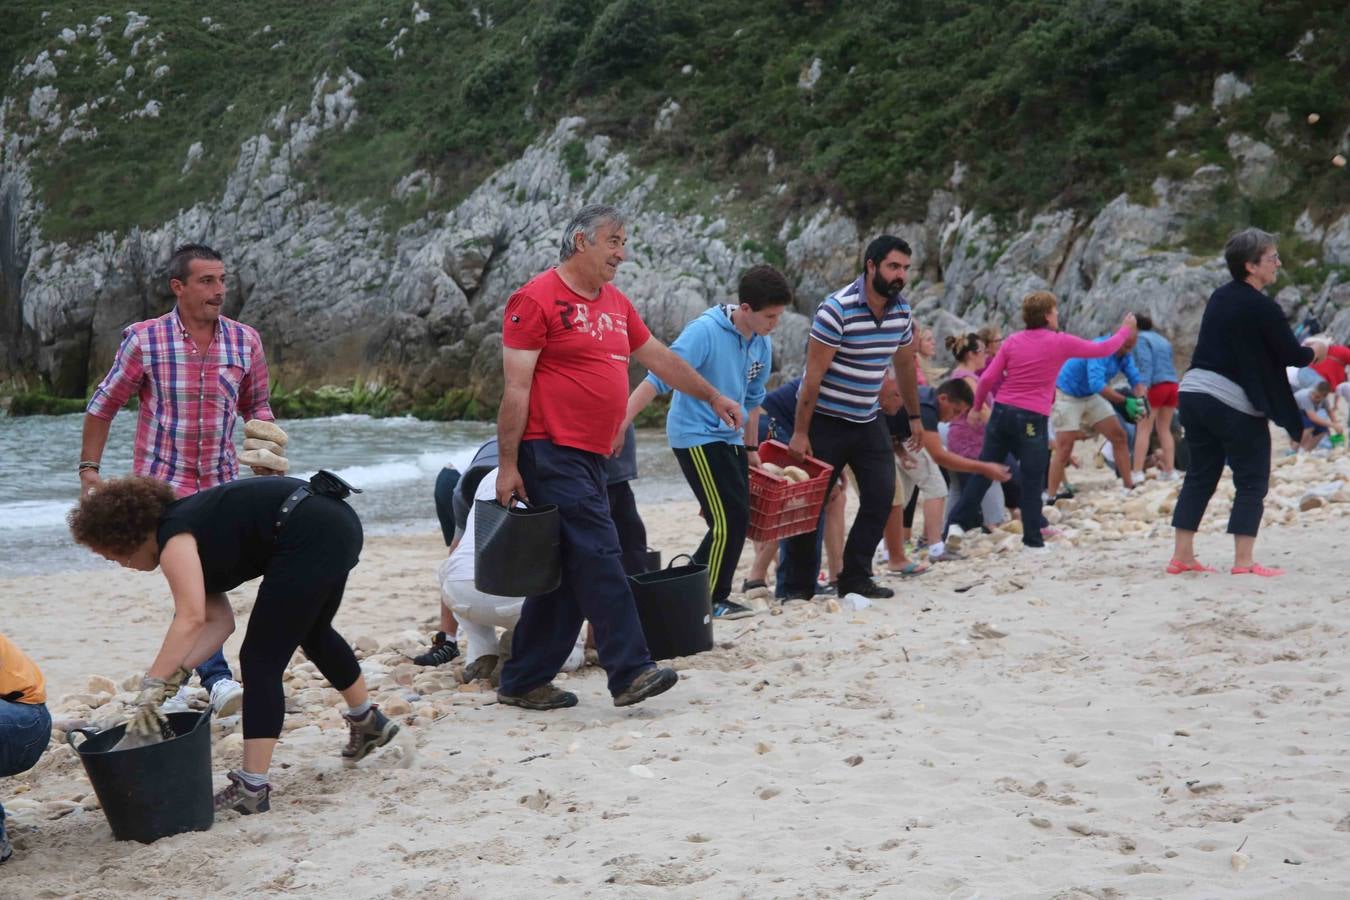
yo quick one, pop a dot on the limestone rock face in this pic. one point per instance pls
(337, 296)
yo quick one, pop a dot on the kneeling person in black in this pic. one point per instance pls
(212, 542)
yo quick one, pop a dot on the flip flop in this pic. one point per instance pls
(1256, 569)
(1177, 567)
(909, 570)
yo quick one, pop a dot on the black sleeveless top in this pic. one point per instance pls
(234, 525)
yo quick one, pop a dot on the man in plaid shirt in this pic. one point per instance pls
(194, 372)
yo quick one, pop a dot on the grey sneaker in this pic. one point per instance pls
(546, 696)
(367, 733)
(648, 683)
(482, 667)
(241, 798)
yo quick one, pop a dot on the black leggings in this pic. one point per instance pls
(299, 595)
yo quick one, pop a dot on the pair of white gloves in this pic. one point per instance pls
(147, 724)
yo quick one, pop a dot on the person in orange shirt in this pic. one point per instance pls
(25, 724)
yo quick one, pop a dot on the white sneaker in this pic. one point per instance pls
(955, 533)
(227, 696)
(178, 703)
(1137, 478)
(1043, 550)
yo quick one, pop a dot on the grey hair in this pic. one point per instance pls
(180, 264)
(1246, 246)
(586, 222)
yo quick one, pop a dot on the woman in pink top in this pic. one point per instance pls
(1021, 379)
(965, 435)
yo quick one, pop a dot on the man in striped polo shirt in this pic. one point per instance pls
(859, 332)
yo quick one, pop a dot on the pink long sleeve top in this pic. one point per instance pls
(1024, 370)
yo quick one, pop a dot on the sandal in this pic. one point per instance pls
(1177, 567)
(1256, 569)
(909, 569)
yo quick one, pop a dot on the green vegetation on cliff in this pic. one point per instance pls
(1062, 102)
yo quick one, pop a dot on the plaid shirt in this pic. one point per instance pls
(189, 399)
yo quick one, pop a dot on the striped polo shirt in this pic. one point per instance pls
(864, 348)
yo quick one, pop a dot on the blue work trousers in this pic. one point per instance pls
(594, 587)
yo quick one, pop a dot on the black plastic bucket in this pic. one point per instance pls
(152, 792)
(675, 607)
(516, 551)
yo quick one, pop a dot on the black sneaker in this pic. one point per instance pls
(647, 684)
(728, 610)
(443, 649)
(869, 589)
(6, 849)
(242, 798)
(366, 733)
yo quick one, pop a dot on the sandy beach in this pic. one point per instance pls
(1078, 726)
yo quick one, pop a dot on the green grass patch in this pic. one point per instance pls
(40, 403)
(1044, 101)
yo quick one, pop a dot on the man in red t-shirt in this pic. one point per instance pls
(1332, 370)
(566, 339)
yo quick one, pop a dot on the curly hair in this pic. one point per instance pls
(963, 345)
(1036, 308)
(118, 514)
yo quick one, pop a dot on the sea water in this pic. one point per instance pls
(395, 462)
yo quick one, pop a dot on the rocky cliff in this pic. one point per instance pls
(339, 295)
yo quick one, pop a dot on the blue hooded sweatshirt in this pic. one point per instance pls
(735, 366)
(1085, 377)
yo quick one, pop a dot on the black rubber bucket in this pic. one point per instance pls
(152, 792)
(516, 551)
(675, 607)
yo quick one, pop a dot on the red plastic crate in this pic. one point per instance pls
(780, 508)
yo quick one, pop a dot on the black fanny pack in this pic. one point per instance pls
(323, 483)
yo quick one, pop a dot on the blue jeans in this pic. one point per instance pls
(594, 586)
(1022, 433)
(213, 670)
(25, 729)
(446, 481)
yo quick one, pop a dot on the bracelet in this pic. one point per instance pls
(915, 416)
(87, 464)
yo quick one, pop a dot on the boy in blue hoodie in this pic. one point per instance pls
(729, 346)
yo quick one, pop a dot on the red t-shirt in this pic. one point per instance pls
(580, 388)
(1332, 369)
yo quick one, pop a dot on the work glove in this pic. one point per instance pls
(1135, 409)
(147, 724)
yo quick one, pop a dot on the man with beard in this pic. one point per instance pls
(858, 332)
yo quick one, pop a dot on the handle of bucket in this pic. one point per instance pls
(677, 556)
(87, 732)
(516, 500)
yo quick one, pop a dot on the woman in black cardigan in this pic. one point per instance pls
(1237, 383)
